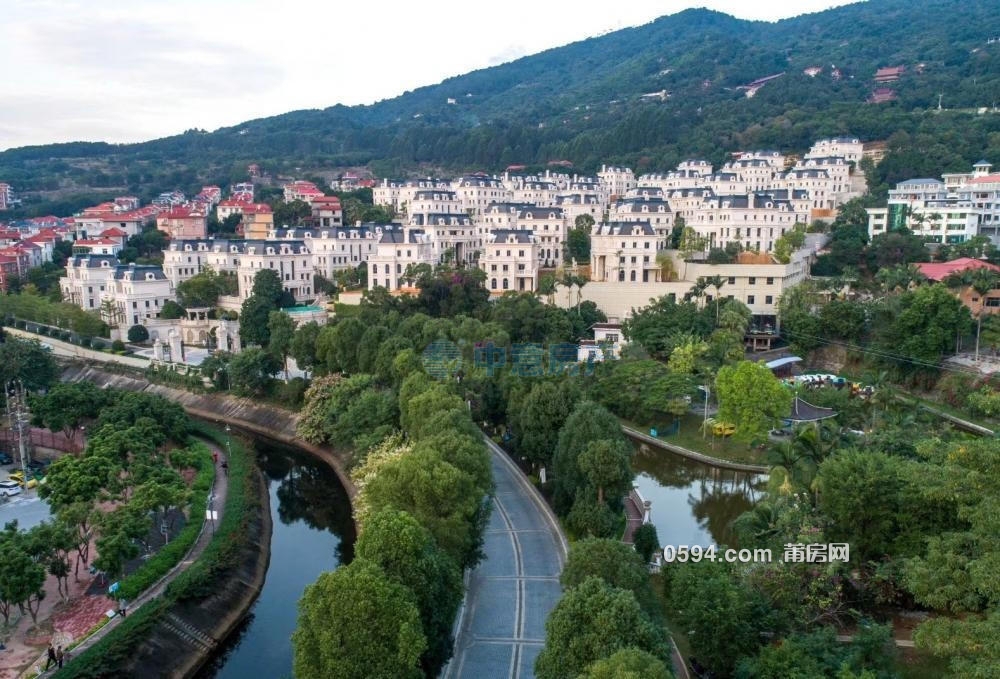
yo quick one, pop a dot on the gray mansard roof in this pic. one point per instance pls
(623, 229)
(535, 212)
(503, 235)
(93, 261)
(133, 272)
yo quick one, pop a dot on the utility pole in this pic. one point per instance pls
(18, 416)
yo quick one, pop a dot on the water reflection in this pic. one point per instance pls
(693, 503)
(312, 533)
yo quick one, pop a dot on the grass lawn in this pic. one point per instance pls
(690, 436)
(914, 664)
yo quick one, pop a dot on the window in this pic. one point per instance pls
(753, 280)
(768, 299)
(732, 280)
(770, 280)
(749, 299)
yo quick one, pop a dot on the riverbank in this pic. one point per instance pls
(636, 435)
(175, 624)
(244, 414)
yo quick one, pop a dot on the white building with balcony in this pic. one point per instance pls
(510, 261)
(625, 252)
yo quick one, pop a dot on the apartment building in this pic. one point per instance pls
(478, 191)
(183, 222)
(574, 205)
(258, 220)
(451, 237)
(327, 212)
(289, 258)
(302, 190)
(654, 211)
(617, 180)
(510, 260)
(87, 277)
(397, 250)
(754, 221)
(336, 249)
(435, 202)
(850, 149)
(625, 252)
(134, 294)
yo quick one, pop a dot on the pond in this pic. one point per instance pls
(312, 533)
(693, 503)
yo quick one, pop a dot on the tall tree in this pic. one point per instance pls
(356, 622)
(281, 331)
(591, 622)
(752, 399)
(405, 551)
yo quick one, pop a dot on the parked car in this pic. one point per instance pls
(781, 432)
(6, 459)
(39, 465)
(9, 488)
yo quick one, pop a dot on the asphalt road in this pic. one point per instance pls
(29, 510)
(501, 628)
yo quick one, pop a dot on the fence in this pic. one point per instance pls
(40, 438)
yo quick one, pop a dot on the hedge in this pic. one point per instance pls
(223, 553)
(170, 554)
(105, 657)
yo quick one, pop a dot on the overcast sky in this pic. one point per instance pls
(123, 71)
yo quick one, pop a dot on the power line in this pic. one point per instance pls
(879, 353)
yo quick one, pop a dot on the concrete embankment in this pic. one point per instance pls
(244, 414)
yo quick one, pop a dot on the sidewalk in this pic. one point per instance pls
(217, 501)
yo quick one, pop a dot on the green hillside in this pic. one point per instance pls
(583, 103)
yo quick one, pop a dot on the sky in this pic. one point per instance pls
(126, 71)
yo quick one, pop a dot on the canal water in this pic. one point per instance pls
(312, 533)
(693, 503)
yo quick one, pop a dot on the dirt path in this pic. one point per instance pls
(65, 630)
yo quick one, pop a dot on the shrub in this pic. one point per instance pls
(292, 393)
(85, 341)
(20, 325)
(117, 345)
(138, 333)
(986, 402)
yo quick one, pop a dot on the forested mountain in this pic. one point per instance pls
(584, 103)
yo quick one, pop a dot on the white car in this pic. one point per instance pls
(9, 488)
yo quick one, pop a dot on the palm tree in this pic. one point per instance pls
(716, 282)
(982, 281)
(697, 290)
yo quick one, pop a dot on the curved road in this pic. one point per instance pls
(501, 628)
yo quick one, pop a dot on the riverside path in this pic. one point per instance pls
(501, 627)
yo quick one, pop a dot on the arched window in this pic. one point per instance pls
(621, 275)
(506, 284)
(493, 284)
(633, 276)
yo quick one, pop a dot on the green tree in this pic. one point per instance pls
(66, 406)
(646, 541)
(606, 465)
(723, 619)
(137, 334)
(281, 331)
(27, 361)
(972, 645)
(615, 563)
(303, 345)
(587, 423)
(251, 371)
(628, 663)
(172, 310)
(21, 580)
(405, 551)
(440, 496)
(203, 289)
(331, 641)
(578, 240)
(751, 398)
(537, 418)
(591, 622)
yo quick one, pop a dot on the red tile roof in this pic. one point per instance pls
(986, 179)
(113, 232)
(937, 271)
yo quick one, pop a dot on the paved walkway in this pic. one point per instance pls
(501, 627)
(216, 502)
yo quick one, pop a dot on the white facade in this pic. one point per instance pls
(510, 261)
(396, 251)
(625, 252)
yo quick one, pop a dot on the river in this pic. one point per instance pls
(693, 503)
(312, 533)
